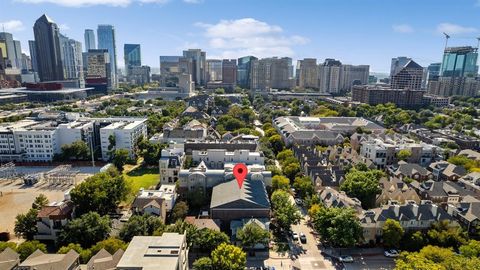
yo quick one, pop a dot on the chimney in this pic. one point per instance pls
(434, 210)
(396, 210)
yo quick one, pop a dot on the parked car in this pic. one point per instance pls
(346, 259)
(303, 238)
(392, 253)
(295, 236)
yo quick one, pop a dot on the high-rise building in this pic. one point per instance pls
(229, 72)
(353, 75)
(10, 47)
(33, 54)
(458, 73)
(26, 62)
(132, 56)
(71, 51)
(433, 71)
(374, 95)
(272, 72)
(139, 74)
(89, 37)
(409, 76)
(171, 69)
(18, 53)
(398, 63)
(98, 69)
(329, 74)
(243, 71)
(307, 73)
(48, 54)
(106, 40)
(214, 70)
(199, 65)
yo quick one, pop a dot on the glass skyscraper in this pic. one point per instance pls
(132, 56)
(48, 51)
(89, 40)
(106, 40)
(459, 62)
(243, 71)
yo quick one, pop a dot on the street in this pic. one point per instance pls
(379, 262)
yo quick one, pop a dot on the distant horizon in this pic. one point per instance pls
(366, 32)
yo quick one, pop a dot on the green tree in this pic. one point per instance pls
(251, 234)
(120, 158)
(291, 169)
(280, 182)
(392, 233)
(363, 186)
(228, 257)
(203, 263)
(86, 230)
(4, 245)
(100, 193)
(78, 150)
(338, 226)
(85, 254)
(180, 210)
(404, 154)
(40, 201)
(110, 244)
(443, 235)
(413, 241)
(470, 249)
(276, 142)
(26, 224)
(284, 211)
(144, 225)
(304, 186)
(207, 240)
(26, 248)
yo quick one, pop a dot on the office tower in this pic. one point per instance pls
(106, 40)
(10, 47)
(243, 71)
(139, 75)
(49, 60)
(132, 56)
(329, 76)
(3, 57)
(71, 51)
(407, 77)
(458, 73)
(26, 62)
(307, 73)
(98, 69)
(171, 67)
(398, 63)
(353, 75)
(33, 54)
(199, 65)
(376, 94)
(89, 36)
(18, 53)
(433, 71)
(214, 70)
(229, 72)
(270, 73)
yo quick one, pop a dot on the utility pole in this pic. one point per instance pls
(446, 39)
(91, 147)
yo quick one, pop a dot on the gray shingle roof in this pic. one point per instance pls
(252, 195)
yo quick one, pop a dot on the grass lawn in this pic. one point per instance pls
(139, 177)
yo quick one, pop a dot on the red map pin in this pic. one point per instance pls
(240, 172)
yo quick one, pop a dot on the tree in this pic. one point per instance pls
(197, 198)
(151, 153)
(443, 235)
(276, 142)
(78, 150)
(280, 182)
(144, 225)
(291, 169)
(471, 249)
(86, 230)
(110, 244)
(404, 154)
(228, 257)
(112, 145)
(251, 234)
(338, 226)
(180, 210)
(26, 248)
(413, 241)
(40, 201)
(304, 186)
(4, 245)
(120, 158)
(85, 254)
(203, 263)
(284, 211)
(26, 224)
(207, 240)
(392, 233)
(363, 186)
(181, 227)
(100, 193)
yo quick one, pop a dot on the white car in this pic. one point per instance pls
(295, 236)
(346, 259)
(392, 253)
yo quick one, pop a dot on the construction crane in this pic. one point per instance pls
(446, 39)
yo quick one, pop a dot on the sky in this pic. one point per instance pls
(353, 31)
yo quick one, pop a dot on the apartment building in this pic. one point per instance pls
(170, 163)
(217, 158)
(378, 94)
(52, 218)
(155, 202)
(125, 132)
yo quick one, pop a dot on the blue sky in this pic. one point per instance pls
(353, 31)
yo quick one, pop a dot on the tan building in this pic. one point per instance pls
(394, 189)
(307, 73)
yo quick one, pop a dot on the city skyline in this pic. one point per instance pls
(403, 28)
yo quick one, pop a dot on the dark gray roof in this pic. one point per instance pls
(252, 195)
(444, 189)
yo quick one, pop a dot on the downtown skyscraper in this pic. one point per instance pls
(89, 37)
(106, 40)
(199, 61)
(48, 52)
(132, 56)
